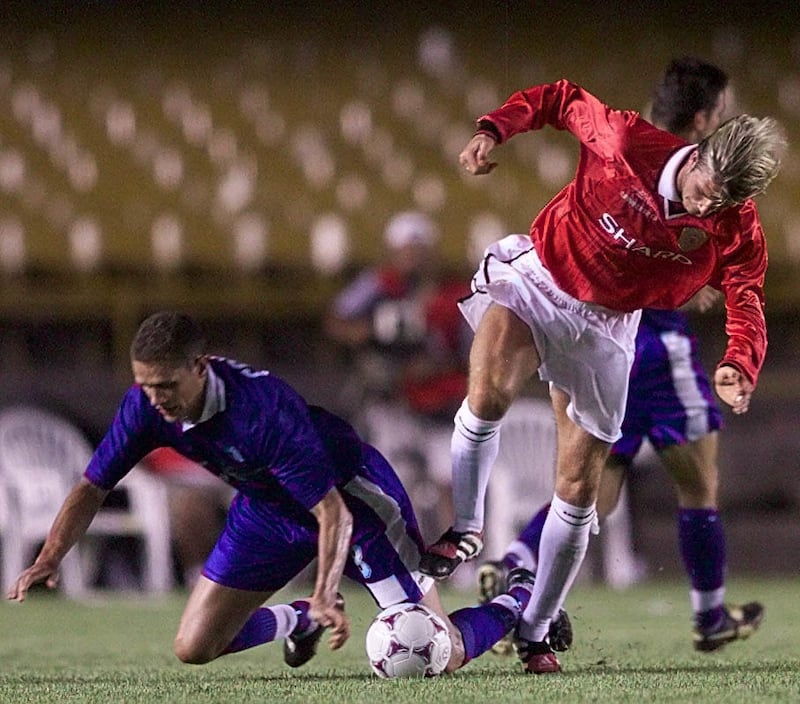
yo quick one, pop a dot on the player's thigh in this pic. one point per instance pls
(502, 359)
(386, 545)
(261, 547)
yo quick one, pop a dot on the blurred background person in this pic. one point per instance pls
(407, 347)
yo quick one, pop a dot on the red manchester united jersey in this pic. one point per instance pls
(617, 234)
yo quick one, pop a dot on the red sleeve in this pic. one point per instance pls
(564, 106)
(744, 267)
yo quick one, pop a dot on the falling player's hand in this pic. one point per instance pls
(331, 614)
(733, 388)
(39, 571)
(475, 157)
(340, 630)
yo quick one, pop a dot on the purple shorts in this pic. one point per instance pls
(670, 399)
(264, 545)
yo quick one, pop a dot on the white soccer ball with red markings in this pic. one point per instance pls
(408, 640)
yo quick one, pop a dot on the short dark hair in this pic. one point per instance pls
(168, 337)
(688, 86)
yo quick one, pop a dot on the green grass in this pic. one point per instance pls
(631, 646)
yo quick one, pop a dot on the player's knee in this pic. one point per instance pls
(192, 652)
(489, 402)
(576, 491)
(698, 491)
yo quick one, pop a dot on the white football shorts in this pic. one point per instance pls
(586, 350)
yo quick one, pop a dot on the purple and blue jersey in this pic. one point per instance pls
(267, 442)
(283, 456)
(670, 398)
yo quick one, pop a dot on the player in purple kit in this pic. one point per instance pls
(307, 487)
(671, 403)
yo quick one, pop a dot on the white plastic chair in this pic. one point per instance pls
(30, 495)
(41, 457)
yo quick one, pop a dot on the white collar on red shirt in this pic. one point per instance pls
(667, 184)
(215, 399)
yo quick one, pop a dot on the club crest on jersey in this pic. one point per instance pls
(691, 238)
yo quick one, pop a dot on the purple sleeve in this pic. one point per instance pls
(132, 434)
(307, 484)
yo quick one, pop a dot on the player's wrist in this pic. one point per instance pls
(488, 128)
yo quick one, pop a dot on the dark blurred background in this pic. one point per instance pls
(241, 163)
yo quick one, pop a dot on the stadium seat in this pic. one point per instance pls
(41, 457)
(523, 480)
(30, 494)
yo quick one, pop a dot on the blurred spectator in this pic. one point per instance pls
(408, 349)
(198, 502)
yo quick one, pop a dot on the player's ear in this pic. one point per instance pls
(201, 365)
(699, 124)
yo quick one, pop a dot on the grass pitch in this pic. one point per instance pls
(631, 646)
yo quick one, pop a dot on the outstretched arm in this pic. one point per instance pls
(70, 524)
(335, 530)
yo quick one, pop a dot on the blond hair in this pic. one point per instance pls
(744, 154)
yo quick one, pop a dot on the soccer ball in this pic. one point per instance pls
(408, 640)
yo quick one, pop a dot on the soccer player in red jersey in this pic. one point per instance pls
(648, 220)
(670, 403)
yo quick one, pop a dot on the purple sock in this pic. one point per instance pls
(259, 628)
(532, 533)
(702, 544)
(482, 626)
(522, 595)
(304, 621)
(511, 560)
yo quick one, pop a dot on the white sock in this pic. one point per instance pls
(705, 601)
(473, 450)
(285, 620)
(565, 537)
